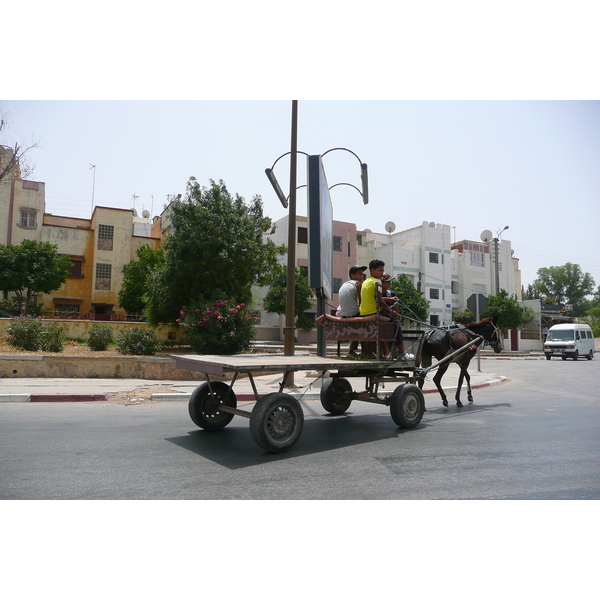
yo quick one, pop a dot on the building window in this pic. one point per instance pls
(302, 235)
(28, 219)
(304, 271)
(359, 240)
(454, 285)
(337, 243)
(434, 257)
(106, 234)
(434, 320)
(66, 307)
(76, 271)
(103, 273)
(477, 258)
(337, 284)
(434, 293)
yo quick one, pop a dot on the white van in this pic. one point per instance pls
(569, 340)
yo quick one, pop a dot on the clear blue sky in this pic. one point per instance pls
(474, 165)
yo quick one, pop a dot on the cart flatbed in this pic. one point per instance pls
(277, 419)
(219, 366)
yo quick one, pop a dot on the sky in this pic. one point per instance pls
(474, 165)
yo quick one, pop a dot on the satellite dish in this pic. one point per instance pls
(134, 212)
(486, 235)
(367, 231)
(431, 224)
(390, 226)
(146, 214)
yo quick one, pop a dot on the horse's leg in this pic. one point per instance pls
(438, 382)
(462, 373)
(469, 394)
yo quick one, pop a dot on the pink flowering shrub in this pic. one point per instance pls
(221, 327)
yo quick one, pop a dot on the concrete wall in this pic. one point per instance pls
(109, 367)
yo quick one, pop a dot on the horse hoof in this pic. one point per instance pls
(445, 402)
(470, 400)
(459, 403)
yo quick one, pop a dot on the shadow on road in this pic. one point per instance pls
(234, 448)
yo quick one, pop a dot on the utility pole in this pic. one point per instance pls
(290, 312)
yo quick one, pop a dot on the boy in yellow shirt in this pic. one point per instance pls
(371, 302)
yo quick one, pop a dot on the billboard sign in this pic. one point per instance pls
(320, 229)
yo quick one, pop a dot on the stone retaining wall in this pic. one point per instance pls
(120, 367)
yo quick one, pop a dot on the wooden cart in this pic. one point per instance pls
(277, 418)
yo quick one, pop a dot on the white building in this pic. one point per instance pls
(423, 255)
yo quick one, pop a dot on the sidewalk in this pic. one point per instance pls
(308, 386)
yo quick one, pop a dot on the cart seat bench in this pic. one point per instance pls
(344, 329)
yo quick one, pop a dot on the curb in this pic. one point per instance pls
(52, 398)
(185, 397)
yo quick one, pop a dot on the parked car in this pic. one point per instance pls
(569, 340)
(7, 314)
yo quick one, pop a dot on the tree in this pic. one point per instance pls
(275, 300)
(411, 300)
(565, 285)
(13, 162)
(132, 295)
(214, 251)
(30, 268)
(510, 314)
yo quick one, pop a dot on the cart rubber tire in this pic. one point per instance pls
(334, 395)
(276, 422)
(590, 355)
(204, 405)
(407, 405)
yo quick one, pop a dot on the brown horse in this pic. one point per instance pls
(438, 343)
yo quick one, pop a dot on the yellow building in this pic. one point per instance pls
(99, 247)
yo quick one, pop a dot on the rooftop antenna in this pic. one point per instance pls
(134, 198)
(93, 183)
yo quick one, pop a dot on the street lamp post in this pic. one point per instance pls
(496, 265)
(290, 202)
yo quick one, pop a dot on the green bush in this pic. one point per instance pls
(221, 327)
(24, 333)
(99, 337)
(138, 341)
(52, 338)
(29, 333)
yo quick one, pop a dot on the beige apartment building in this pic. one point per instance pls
(98, 247)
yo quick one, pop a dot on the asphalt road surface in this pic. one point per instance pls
(537, 436)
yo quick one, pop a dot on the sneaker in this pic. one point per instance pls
(407, 356)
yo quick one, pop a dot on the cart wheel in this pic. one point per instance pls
(335, 395)
(407, 405)
(204, 405)
(276, 422)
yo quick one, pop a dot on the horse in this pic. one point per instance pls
(438, 343)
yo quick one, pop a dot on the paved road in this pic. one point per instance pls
(537, 436)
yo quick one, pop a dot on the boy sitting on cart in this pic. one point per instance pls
(372, 302)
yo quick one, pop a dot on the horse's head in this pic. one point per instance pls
(491, 334)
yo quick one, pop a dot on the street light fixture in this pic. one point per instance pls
(496, 264)
(290, 287)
